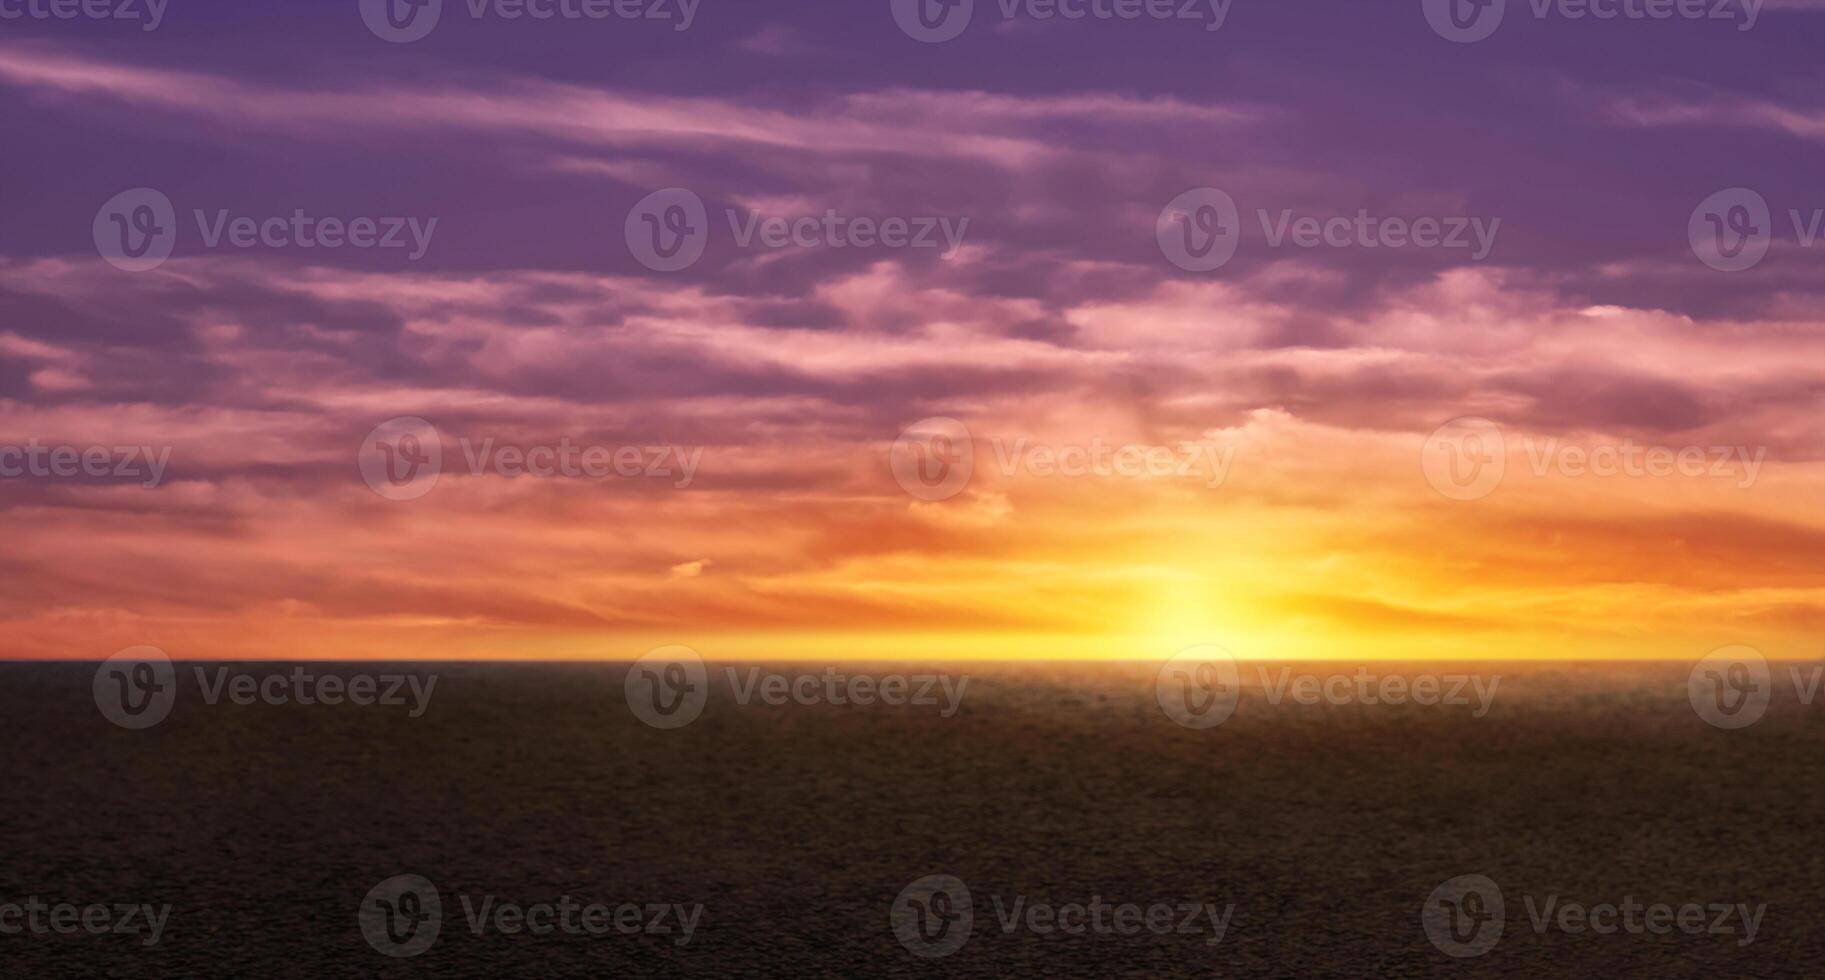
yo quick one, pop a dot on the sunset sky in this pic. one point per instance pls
(1317, 373)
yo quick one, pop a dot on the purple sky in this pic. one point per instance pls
(1591, 316)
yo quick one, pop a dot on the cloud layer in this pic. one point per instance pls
(1296, 390)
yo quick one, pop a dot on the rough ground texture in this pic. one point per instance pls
(1327, 826)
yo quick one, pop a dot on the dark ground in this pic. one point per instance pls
(797, 826)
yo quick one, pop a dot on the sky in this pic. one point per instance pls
(842, 328)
